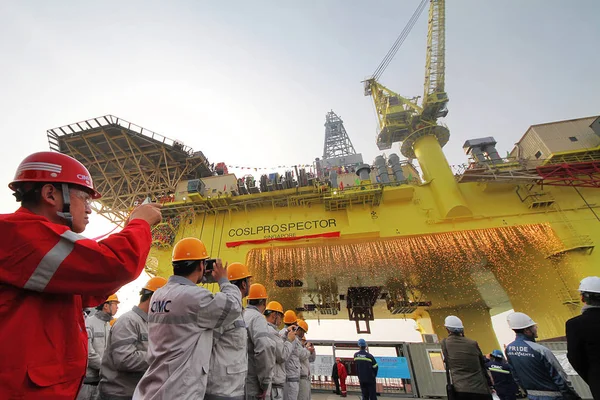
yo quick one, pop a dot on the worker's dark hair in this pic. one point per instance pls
(185, 268)
(257, 302)
(145, 295)
(239, 282)
(269, 312)
(29, 193)
(519, 330)
(591, 299)
(363, 347)
(99, 307)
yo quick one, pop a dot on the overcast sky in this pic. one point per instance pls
(250, 82)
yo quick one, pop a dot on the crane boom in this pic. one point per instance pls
(435, 98)
(401, 117)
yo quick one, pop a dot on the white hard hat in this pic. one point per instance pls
(519, 320)
(452, 321)
(591, 284)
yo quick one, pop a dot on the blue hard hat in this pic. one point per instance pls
(362, 343)
(497, 354)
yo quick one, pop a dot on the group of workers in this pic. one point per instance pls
(182, 340)
(531, 370)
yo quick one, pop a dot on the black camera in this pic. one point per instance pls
(209, 266)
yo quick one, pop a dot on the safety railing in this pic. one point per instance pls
(111, 120)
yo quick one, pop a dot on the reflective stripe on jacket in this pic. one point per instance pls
(366, 366)
(48, 274)
(261, 352)
(124, 360)
(98, 328)
(180, 336)
(229, 362)
(283, 349)
(536, 367)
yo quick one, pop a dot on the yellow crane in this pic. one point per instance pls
(403, 119)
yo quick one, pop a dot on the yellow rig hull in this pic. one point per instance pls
(503, 253)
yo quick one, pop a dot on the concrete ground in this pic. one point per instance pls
(351, 396)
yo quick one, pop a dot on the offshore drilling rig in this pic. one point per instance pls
(349, 240)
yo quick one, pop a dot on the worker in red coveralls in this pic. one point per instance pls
(49, 273)
(342, 374)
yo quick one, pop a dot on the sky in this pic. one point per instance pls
(249, 82)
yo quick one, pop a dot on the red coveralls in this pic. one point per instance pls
(47, 275)
(342, 375)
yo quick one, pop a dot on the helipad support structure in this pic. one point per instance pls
(127, 162)
(364, 249)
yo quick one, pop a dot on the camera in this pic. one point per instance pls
(209, 266)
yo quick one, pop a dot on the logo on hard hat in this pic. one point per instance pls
(85, 178)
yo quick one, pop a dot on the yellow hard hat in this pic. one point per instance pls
(112, 321)
(257, 291)
(188, 249)
(155, 283)
(274, 306)
(289, 317)
(112, 298)
(302, 324)
(237, 271)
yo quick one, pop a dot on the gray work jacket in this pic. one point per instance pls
(261, 352)
(124, 360)
(97, 327)
(292, 364)
(283, 349)
(306, 357)
(180, 333)
(229, 362)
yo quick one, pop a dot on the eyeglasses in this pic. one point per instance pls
(87, 199)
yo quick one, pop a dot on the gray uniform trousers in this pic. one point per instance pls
(276, 393)
(304, 392)
(291, 389)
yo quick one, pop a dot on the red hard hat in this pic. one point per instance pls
(52, 167)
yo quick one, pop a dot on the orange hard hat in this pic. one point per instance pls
(112, 321)
(274, 306)
(302, 324)
(257, 291)
(237, 271)
(289, 317)
(113, 298)
(155, 283)
(189, 249)
(53, 167)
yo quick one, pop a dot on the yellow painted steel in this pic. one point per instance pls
(477, 322)
(438, 174)
(545, 288)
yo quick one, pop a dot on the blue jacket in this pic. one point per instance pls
(536, 368)
(503, 378)
(366, 366)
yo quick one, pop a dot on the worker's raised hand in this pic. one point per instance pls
(218, 270)
(291, 336)
(148, 212)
